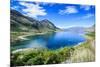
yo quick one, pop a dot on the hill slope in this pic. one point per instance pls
(22, 25)
(20, 22)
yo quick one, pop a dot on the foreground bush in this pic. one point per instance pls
(40, 56)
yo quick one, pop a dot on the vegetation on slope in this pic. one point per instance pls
(24, 25)
(92, 34)
(85, 52)
(40, 56)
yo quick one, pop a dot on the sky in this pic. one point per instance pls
(62, 15)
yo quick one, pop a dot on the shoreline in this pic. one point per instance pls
(24, 49)
(24, 37)
(80, 53)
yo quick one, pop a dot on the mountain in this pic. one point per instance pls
(76, 29)
(91, 29)
(20, 22)
(81, 29)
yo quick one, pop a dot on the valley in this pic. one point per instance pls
(29, 35)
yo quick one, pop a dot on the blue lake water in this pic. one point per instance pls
(51, 41)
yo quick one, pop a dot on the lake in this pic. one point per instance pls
(51, 41)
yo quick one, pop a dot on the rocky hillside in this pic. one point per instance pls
(19, 22)
(22, 26)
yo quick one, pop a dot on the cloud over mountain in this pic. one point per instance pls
(33, 10)
(68, 10)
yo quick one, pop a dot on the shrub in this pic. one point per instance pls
(38, 60)
(41, 56)
(52, 58)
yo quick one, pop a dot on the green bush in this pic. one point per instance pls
(40, 56)
(38, 60)
(51, 58)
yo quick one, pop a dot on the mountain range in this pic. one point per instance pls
(81, 30)
(20, 22)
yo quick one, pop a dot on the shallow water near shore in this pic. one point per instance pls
(51, 41)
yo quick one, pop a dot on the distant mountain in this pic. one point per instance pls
(91, 29)
(76, 29)
(19, 22)
(81, 29)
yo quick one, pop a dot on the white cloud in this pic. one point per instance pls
(88, 16)
(69, 10)
(45, 3)
(85, 7)
(14, 7)
(33, 10)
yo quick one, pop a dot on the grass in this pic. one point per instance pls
(21, 36)
(92, 34)
(14, 36)
(82, 53)
(86, 51)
